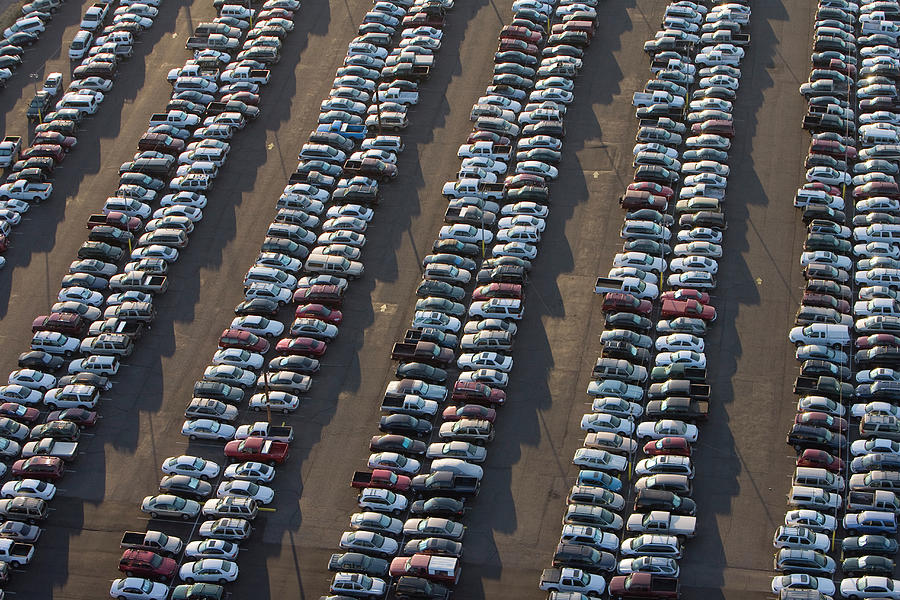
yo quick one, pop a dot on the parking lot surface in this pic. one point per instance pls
(514, 523)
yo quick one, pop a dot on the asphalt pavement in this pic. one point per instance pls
(743, 466)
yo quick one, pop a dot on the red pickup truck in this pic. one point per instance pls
(143, 563)
(115, 219)
(644, 585)
(258, 449)
(471, 391)
(380, 478)
(687, 308)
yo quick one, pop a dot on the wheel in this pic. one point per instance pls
(223, 581)
(256, 409)
(129, 573)
(153, 515)
(185, 517)
(192, 437)
(285, 411)
(190, 580)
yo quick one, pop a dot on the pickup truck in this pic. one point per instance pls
(644, 585)
(50, 447)
(426, 352)
(572, 580)
(410, 58)
(491, 150)
(470, 215)
(662, 523)
(818, 122)
(348, 130)
(260, 76)
(445, 483)
(156, 541)
(137, 281)
(406, 70)
(266, 431)
(666, 44)
(657, 97)
(473, 187)
(176, 118)
(407, 97)
(605, 285)
(682, 409)
(380, 478)
(409, 404)
(14, 553)
(257, 449)
(133, 329)
(115, 219)
(724, 36)
(216, 41)
(678, 387)
(10, 148)
(678, 371)
(428, 334)
(877, 500)
(192, 70)
(823, 386)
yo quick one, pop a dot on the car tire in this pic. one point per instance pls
(285, 411)
(223, 581)
(192, 437)
(190, 580)
(129, 573)
(185, 517)
(153, 515)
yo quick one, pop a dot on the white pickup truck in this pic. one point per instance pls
(486, 149)
(663, 523)
(399, 96)
(657, 97)
(259, 76)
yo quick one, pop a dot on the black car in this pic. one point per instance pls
(396, 443)
(651, 247)
(647, 500)
(363, 194)
(546, 155)
(295, 363)
(330, 138)
(319, 166)
(100, 251)
(284, 246)
(430, 334)
(262, 307)
(21, 38)
(439, 506)
(63, 126)
(111, 235)
(626, 351)
(187, 106)
(418, 587)
(142, 180)
(879, 356)
(439, 546)
(822, 286)
(39, 105)
(40, 361)
(868, 544)
(356, 562)
(404, 424)
(198, 591)
(579, 556)
(516, 57)
(630, 321)
(649, 214)
(85, 378)
(441, 289)
(816, 368)
(501, 274)
(868, 565)
(812, 562)
(802, 437)
(218, 391)
(415, 370)
(185, 486)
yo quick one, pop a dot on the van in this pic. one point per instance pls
(139, 312)
(108, 344)
(237, 11)
(231, 506)
(233, 530)
(614, 368)
(871, 521)
(83, 103)
(804, 198)
(874, 425)
(457, 466)
(334, 265)
(80, 45)
(817, 477)
(802, 496)
(878, 135)
(173, 238)
(120, 38)
(73, 396)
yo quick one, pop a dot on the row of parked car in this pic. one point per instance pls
(648, 390)
(847, 352)
(24, 32)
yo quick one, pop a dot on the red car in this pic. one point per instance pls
(635, 200)
(423, 20)
(329, 295)
(832, 148)
(516, 32)
(823, 187)
(497, 290)
(716, 126)
(687, 308)
(469, 411)
(622, 302)
(49, 468)
(303, 346)
(653, 188)
(144, 563)
(80, 416)
(888, 189)
(257, 449)
(4, 243)
(54, 151)
(465, 391)
(54, 137)
(686, 294)
(820, 419)
(65, 323)
(826, 301)
(160, 142)
(668, 445)
(507, 43)
(238, 338)
(19, 412)
(320, 312)
(819, 458)
(877, 339)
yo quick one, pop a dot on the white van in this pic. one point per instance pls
(804, 198)
(73, 396)
(80, 45)
(334, 265)
(870, 136)
(818, 477)
(802, 496)
(886, 27)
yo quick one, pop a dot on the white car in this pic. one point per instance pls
(491, 377)
(522, 221)
(80, 294)
(212, 548)
(873, 445)
(32, 379)
(207, 429)
(873, 249)
(32, 488)
(239, 357)
(250, 471)
(191, 466)
(192, 199)
(275, 400)
(639, 260)
(869, 586)
(229, 374)
(138, 588)
(594, 422)
(17, 206)
(655, 430)
(466, 233)
(489, 360)
(525, 208)
(681, 357)
(96, 84)
(436, 320)
(258, 325)
(382, 500)
(20, 394)
(802, 581)
(515, 249)
(707, 249)
(680, 341)
(350, 210)
(394, 462)
(269, 291)
(536, 167)
(601, 460)
(616, 406)
(212, 570)
(245, 489)
(878, 374)
(358, 584)
(811, 519)
(694, 263)
(167, 253)
(828, 175)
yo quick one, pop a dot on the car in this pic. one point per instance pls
(803, 581)
(207, 429)
(167, 505)
(250, 471)
(209, 570)
(212, 548)
(369, 542)
(32, 488)
(137, 588)
(191, 466)
(655, 430)
(246, 489)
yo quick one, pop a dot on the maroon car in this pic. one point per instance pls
(635, 200)
(469, 411)
(54, 151)
(520, 33)
(49, 468)
(54, 137)
(820, 419)
(471, 391)
(832, 148)
(497, 290)
(668, 445)
(887, 189)
(320, 312)
(623, 302)
(821, 459)
(144, 563)
(687, 308)
(716, 126)
(329, 295)
(826, 301)
(238, 338)
(303, 346)
(686, 294)
(66, 323)
(652, 187)
(80, 416)
(115, 219)
(877, 339)
(160, 142)
(508, 43)
(19, 412)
